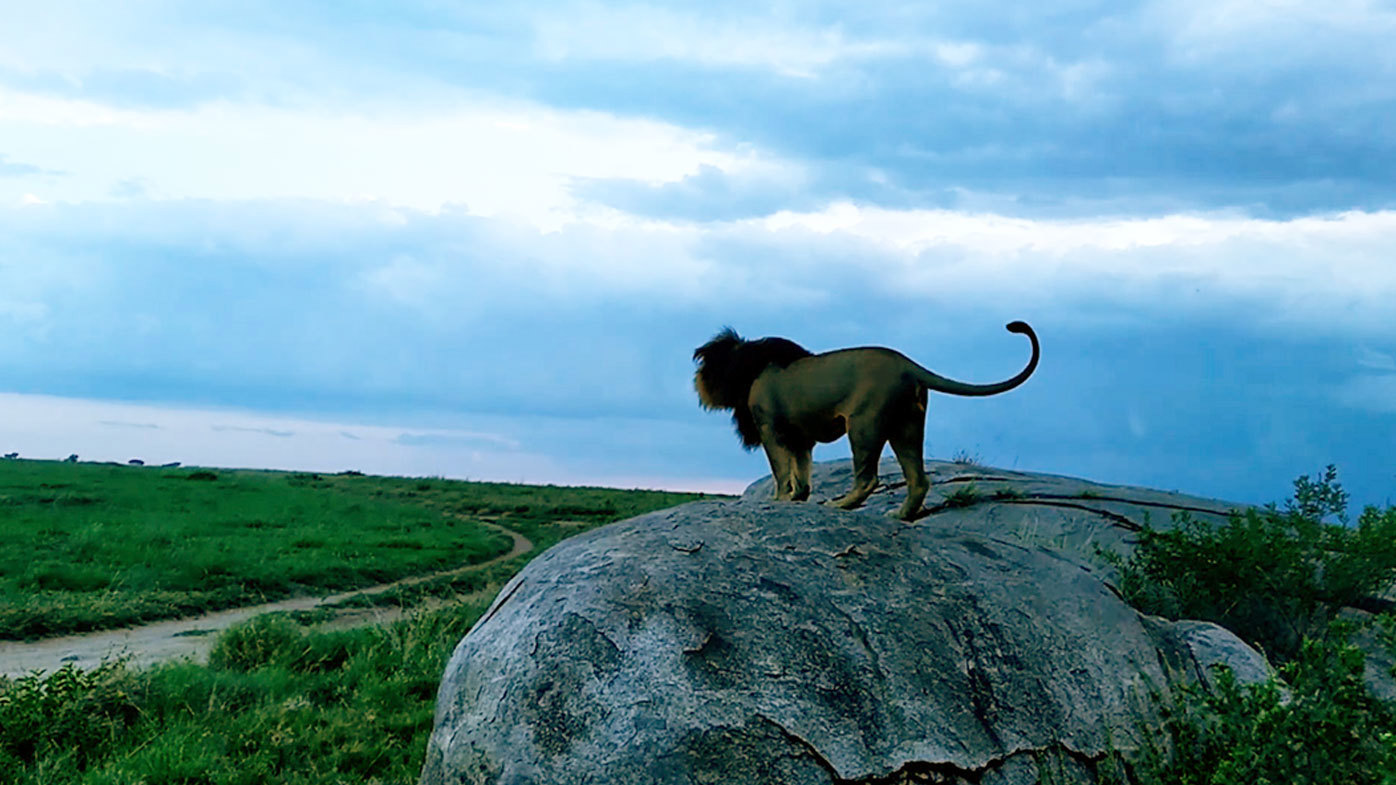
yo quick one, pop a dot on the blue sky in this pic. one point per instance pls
(482, 240)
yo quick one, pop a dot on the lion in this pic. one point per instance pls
(785, 399)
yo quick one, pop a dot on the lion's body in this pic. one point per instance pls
(786, 399)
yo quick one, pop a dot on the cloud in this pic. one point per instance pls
(129, 88)
(33, 313)
(1300, 270)
(280, 434)
(1375, 360)
(517, 220)
(492, 156)
(1371, 392)
(121, 424)
(47, 426)
(1235, 32)
(16, 169)
(755, 189)
(731, 40)
(130, 188)
(708, 195)
(456, 439)
(1054, 107)
(355, 308)
(11, 169)
(1139, 107)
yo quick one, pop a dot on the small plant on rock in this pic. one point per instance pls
(966, 458)
(963, 497)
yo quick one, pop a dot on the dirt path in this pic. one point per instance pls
(194, 636)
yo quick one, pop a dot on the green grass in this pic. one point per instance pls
(277, 705)
(545, 514)
(99, 546)
(966, 496)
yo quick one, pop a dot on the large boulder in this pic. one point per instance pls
(768, 642)
(1070, 515)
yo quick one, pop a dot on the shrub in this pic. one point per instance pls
(1278, 579)
(69, 713)
(1273, 577)
(259, 641)
(1318, 725)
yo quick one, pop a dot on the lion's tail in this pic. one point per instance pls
(939, 383)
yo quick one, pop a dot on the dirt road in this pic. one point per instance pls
(194, 636)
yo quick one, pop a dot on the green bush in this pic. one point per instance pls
(255, 643)
(285, 705)
(1274, 577)
(1315, 725)
(1278, 579)
(70, 715)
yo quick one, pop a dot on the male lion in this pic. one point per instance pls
(785, 399)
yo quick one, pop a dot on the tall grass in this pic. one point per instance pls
(277, 704)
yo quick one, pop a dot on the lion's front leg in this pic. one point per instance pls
(782, 468)
(799, 476)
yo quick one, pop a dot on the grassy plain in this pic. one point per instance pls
(101, 546)
(278, 702)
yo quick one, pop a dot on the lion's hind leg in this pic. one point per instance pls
(908, 440)
(866, 441)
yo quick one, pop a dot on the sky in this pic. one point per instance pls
(483, 239)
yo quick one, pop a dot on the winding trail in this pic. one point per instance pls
(193, 636)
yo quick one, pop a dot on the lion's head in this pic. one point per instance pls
(727, 366)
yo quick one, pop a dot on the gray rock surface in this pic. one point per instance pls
(1379, 664)
(1069, 515)
(770, 642)
(1192, 648)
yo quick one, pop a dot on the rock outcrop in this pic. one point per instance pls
(765, 642)
(1070, 515)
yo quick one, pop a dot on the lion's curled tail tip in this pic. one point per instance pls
(1019, 326)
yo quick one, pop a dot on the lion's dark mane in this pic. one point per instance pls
(727, 366)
